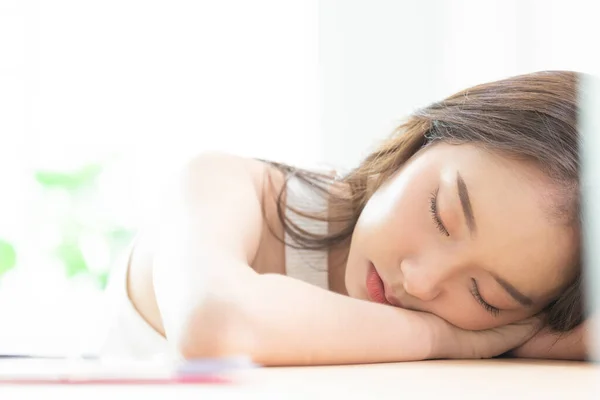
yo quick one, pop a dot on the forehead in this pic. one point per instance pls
(517, 236)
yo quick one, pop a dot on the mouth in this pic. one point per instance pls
(376, 289)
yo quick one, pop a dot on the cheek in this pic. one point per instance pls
(395, 218)
(379, 209)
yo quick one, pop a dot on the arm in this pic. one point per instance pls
(291, 322)
(213, 304)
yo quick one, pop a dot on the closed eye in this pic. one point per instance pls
(475, 292)
(435, 215)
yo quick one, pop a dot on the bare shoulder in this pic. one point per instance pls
(231, 198)
(242, 177)
(266, 179)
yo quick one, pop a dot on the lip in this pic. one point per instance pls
(375, 286)
(377, 290)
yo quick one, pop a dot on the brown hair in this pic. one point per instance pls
(531, 117)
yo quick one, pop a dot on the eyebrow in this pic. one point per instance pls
(514, 293)
(463, 194)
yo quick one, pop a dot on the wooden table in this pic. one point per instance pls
(481, 380)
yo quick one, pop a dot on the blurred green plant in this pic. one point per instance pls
(73, 225)
(8, 257)
(69, 181)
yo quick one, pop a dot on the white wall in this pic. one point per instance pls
(381, 59)
(158, 80)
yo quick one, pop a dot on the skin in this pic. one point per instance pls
(430, 267)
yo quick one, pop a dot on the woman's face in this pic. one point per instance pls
(464, 234)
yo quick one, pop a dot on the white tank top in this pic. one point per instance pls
(307, 265)
(127, 335)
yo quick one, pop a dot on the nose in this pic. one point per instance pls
(422, 281)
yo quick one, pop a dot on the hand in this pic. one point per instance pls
(453, 342)
(549, 344)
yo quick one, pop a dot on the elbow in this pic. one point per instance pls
(219, 329)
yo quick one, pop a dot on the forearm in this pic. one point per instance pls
(295, 323)
(277, 320)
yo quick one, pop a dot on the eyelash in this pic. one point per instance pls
(435, 215)
(475, 291)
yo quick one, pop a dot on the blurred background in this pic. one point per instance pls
(101, 101)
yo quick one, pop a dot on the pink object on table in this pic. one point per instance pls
(33, 370)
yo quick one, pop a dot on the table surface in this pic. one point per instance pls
(480, 379)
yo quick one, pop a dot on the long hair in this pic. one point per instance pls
(530, 117)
